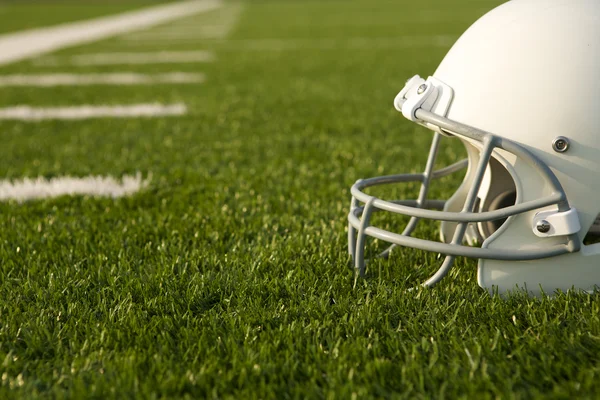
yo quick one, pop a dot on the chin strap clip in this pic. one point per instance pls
(554, 223)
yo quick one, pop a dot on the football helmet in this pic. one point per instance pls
(521, 89)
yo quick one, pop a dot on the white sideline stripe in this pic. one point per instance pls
(122, 78)
(41, 188)
(27, 113)
(160, 57)
(25, 44)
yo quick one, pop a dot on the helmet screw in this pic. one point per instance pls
(421, 88)
(560, 144)
(543, 226)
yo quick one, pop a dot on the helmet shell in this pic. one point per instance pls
(529, 71)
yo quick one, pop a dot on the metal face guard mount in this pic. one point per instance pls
(359, 226)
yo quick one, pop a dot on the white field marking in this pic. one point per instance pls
(160, 57)
(218, 26)
(271, 44)
(119, 79)
(41, 188)
(335, 44)
(20, 45)
(199, 28)
(27, 113)
(203, 32)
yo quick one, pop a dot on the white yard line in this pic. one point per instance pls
(203, 32)
(218, 26)
(199, 29)
(160, 41)
(293, 44)
(339, 44)
(227, 20)
(160, 57)
(41, 188)
(25, 44)
(118, 79)
(27, 113)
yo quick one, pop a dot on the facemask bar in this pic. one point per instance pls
(359, 217)
(427, 176)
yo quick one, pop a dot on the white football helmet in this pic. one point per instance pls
(521, 89)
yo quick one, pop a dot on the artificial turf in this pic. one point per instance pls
(228, 277)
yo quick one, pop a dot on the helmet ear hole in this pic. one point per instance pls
(498, 191)
(593, 234)
(503, 200)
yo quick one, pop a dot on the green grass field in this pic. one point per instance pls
(16, 15)
(228, 277)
